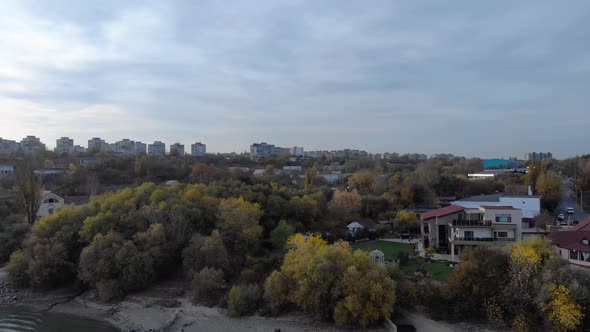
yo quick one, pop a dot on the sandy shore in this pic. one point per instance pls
(164, 307)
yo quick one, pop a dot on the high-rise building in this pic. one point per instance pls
(9, 146)
(157, 149)
(198, 149)
(140, 148)
(98, 145)
(64, 145)
(537, 156)
(177, 149)
(31, 144)
(79, 149)
(263, 150)
(296, 151)
(124, 147)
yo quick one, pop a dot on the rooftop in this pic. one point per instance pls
(498, 207)
(583, 226)
(445, 211)
(572, 240)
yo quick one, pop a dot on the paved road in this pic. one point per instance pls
(568, 200)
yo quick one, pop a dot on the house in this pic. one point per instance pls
(573, 246)
(50, 203)
(356, 226)
(529, 204)
(454, 228)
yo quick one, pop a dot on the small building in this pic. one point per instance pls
(50, 203)
(356, 226)
(529, 204)
(573, 246)
(500, 163)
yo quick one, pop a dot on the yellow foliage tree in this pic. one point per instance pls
(562, 310)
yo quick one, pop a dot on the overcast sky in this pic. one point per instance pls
(477, 79)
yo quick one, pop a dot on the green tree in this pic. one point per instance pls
(208, 285)
(281, 234)
(243, 300)
(29, 188)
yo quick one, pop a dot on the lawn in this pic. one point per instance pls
(439, 270)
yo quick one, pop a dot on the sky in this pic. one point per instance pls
(488, 79)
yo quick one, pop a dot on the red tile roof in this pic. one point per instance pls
(571, 240)
(583, 226)
(491, 207)
(445, 211)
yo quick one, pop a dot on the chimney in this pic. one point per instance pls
(530, 192)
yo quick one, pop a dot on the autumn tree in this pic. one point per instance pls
(238, 224)
(549, 186)
(310, 178)
(346, 205)
(324, 279)
(564, 313)
(29, 188)
(361, 181)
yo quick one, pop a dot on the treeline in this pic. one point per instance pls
(525, 288)
(224, 241)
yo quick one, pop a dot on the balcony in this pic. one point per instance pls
(471, 223)
(480, 240)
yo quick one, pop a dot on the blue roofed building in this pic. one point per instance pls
(500, 163)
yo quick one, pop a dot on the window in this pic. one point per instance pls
(573, 255)
(468, 234)
(51, 200)
(503, 218)
(50, 211)
(502, 234)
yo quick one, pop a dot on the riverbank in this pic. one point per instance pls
(162, 307)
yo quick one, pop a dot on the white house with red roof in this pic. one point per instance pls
(452, 229)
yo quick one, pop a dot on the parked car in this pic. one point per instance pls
(560, 217)
(570, 210)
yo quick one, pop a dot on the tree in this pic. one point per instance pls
(346, 205)
(324, 279)
(207, 285)
(362, 181)
(205, 251)
(310, 178)
(564, 313)
(543, 221)
(549, 186)
(238, 224)
(29, 188)
(281, 234)
(243, 300)
(478, 278)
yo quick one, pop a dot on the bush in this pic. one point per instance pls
(207, 285)
(403, 258)
(243, 300)
(13, 231)
(17, 269)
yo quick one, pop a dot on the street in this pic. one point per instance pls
(568, 200)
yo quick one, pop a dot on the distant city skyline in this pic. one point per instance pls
(495, 79)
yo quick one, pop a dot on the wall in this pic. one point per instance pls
(530, 206)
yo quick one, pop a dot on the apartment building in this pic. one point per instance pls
(452, 229)
(263, 150)
(177, 149)
(297, 151)
(140, 148)
(537, 156)
(64, 145)
(98, 145)
(31, 144)
(157, 149)
(9, 146)
(6, 170)
(198, 149)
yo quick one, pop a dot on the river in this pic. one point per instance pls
(17, 319)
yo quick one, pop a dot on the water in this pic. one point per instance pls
(19, 319)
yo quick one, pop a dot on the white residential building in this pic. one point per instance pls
(9, 146)
(454, 228)
(64, 145)
(50, 203)
(530, 205)
(177, 149)
(31, 144)
(140, 148)
(297, 151)
(98, 145)
(198, 149)
(157, 149)
(79, 149)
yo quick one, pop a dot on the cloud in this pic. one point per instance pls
(416, 76)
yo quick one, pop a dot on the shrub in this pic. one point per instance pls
(208, 285)
(17, 268)
(243, 300)
(403, 258)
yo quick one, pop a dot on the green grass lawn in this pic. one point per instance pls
(439, 270)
